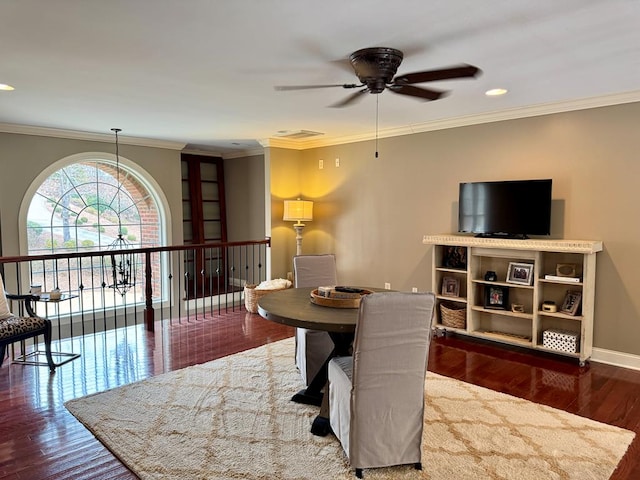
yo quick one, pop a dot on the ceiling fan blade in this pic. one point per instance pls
(350, 99)
(459, 71)
(285, 88)
(343, 64)
(423, 93)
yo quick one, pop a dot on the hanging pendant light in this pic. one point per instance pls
(123, 263)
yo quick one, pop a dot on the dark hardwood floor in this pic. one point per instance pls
(39, 439)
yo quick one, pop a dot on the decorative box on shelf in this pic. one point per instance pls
(561, 340)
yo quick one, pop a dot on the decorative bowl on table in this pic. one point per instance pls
(55, 294)
(338, 297)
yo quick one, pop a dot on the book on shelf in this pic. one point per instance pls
(558, 278)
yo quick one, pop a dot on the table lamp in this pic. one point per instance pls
(298, 211)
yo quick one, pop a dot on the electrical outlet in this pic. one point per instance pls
(414, 290)
(320, 164)
(337, 162)
(387, 286)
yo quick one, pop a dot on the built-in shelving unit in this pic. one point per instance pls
(499, 323)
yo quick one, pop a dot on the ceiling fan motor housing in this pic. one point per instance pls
(376, 67)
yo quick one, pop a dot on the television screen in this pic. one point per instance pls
(515, 208)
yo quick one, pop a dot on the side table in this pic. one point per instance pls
(31, 358)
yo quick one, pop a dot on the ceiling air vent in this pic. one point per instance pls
(297, 134)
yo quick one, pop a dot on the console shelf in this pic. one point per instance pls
(524, 328)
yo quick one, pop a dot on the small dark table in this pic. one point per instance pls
(293, 307)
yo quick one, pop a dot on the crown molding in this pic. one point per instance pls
(497, 116)
(204, 153)
(244, 153)
(226, 155)
(292, 144)
(93, 137)
(279, 142)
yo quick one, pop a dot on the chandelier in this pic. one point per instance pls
(122, 263)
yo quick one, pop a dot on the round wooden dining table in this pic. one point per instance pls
(293, 307)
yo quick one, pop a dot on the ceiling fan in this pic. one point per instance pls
(375, 68)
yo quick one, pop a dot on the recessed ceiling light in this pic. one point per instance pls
(495, 92)
(4, 86)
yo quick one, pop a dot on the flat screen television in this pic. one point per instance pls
(513, 208)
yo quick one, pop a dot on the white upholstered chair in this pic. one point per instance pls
(313, 346)
(376, 396)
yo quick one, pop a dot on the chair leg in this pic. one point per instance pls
(359, 472)
(47, 348)
(418, 466)
(3, 351)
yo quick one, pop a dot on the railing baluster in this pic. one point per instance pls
(171, 273)
(148, 311)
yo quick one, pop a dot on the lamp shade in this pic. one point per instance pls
(298, 210)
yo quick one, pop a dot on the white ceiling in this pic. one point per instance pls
(202, 72)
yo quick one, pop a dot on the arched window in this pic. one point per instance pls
(83, 207)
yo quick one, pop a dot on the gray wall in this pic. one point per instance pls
(373, 212)
(244, 180)
(285, 168)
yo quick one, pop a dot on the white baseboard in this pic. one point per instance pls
(230, 299)
(618, 359)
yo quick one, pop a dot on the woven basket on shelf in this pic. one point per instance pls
(252, 295)
(453, 315)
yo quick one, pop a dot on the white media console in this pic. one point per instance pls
(520, 307)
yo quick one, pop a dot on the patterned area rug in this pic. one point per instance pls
(232, 419)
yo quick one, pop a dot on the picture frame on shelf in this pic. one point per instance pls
(520, 273)
(571, 303)
(496, 297)
(455, 257)
(450, 287)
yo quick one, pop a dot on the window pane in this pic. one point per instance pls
(208, 172)
(211, 210)
(187, 232)
(186, 193)
(186, 211)
(209, 191)
(212, 230)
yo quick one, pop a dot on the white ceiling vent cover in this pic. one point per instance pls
(297, 134)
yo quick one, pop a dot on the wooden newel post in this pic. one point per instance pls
(148, 293)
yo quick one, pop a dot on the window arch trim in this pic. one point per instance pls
(132, 168)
